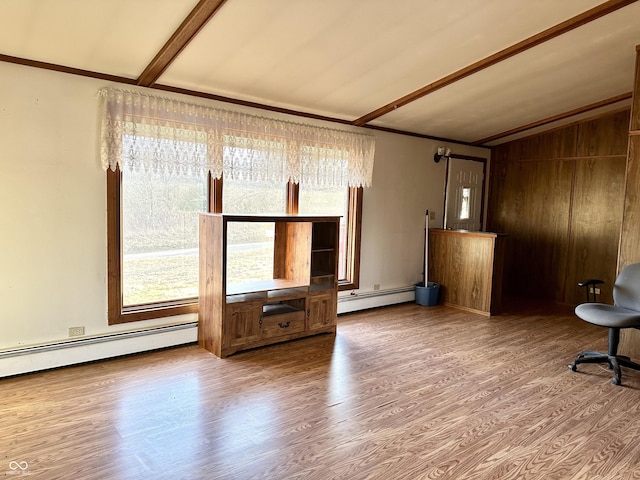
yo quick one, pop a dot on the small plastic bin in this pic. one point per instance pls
(427, 296)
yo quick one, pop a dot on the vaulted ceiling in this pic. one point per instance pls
(477, 71)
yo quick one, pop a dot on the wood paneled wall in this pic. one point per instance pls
(559, 196)
(630, 237)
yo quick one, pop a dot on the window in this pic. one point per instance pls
(153, 236)
(328, 201)
(160, 237)
(464, 203)
(250, 245)
(213, 160)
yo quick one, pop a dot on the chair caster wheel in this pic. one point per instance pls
(572, 367)
(616, 381)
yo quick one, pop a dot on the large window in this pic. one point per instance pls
(168, 159)
(153, 236)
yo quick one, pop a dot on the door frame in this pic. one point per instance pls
(482, 193)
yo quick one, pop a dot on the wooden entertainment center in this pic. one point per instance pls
(299, 301)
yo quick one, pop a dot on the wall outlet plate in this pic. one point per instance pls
(76, 331)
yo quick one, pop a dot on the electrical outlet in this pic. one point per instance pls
(76, 331)
(432, 215)
(595, 290)
(376, 286)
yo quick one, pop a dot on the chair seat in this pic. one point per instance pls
(608, 315)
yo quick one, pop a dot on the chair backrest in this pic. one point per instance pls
(626, 289)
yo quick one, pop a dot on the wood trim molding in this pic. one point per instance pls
(293, 197)
(215, 194)
(468, 157)
(188, 29)
(420, 135)
(245, 103)
(354, 226)
(533, 41)
(63, 69)
(114, 259)
(554, 118)
(570, 124)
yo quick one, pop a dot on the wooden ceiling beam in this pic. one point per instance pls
(197, 18)
(544, 36)
(555, 118)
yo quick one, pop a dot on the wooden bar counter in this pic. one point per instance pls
(468, 266)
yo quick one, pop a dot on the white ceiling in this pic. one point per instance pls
(346, 58)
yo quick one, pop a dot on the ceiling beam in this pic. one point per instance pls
(197, 18)
(555, 118)
(544, 36)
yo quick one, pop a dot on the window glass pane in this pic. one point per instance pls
(464, 203)
(328, 201)
(160, 236)
(250, 245)
(241, 196)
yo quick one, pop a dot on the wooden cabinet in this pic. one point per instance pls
(299, 301)
(321, 308)
(468, 266)
(242, 323)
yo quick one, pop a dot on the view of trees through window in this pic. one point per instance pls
(250, 245)
(160, 231)
(160, 236)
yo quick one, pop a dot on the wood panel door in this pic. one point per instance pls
(321, 310)
(463, 200)
(242, 323)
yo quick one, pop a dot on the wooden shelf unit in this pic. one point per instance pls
(300, 300)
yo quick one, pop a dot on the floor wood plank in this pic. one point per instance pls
(404, 392)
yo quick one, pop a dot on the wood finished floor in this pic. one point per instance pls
(405, 392)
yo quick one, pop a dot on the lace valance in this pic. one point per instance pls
(146, 132)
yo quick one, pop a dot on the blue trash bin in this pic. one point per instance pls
(427, 296)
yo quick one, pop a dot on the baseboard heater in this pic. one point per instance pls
(375, 298)
(20, 360)
(375, 293)
(81, 342)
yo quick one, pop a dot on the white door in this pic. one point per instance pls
(463, 199)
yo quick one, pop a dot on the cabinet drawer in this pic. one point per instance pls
(284, 324)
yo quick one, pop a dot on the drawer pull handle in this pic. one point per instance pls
(284, 325)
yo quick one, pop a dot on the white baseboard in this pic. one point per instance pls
(61, 354)
(70, 352)
(375, 298)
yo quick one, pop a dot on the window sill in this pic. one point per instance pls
(151, 311)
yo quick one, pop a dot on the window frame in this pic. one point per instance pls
(354, 231)
(118, 313)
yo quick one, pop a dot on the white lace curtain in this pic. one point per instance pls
(153, 133)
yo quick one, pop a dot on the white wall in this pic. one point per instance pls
(53, 204)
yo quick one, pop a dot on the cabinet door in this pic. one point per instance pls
(242, 324)
(321, 311)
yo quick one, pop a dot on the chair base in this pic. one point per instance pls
(614, 362)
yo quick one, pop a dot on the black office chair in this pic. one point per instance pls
(625, 313)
